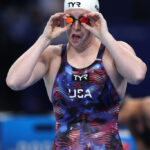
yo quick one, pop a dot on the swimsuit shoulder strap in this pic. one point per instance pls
(101, 52)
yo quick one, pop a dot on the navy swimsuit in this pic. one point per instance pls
(86, 107)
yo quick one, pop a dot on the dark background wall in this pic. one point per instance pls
(21, 23)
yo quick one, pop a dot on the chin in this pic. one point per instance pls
(76, 43)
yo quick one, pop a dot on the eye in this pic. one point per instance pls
(84, 20)
(69, 20)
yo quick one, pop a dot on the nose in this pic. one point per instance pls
(76, 25)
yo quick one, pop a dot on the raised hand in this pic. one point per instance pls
(97, 25)
(53, 28)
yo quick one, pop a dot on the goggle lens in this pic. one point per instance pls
(69, 20)
(81, 19)
(84, 20)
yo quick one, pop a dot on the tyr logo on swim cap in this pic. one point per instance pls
(91, 5)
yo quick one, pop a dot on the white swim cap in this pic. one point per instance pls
(91, 5)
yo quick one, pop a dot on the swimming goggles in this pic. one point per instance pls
(81, 19)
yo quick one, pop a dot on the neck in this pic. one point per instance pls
(85, 51)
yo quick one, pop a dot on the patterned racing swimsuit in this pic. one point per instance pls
(86, 107)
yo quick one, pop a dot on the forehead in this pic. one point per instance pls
(77, 12)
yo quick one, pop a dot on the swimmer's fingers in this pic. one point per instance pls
(56, 19)
(54, 26)
(98, 25)
(67, 27)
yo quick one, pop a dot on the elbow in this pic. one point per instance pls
(140, 75)
(12, 84)
(138, 80)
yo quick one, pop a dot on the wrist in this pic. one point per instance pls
(45, 39)
(107, 38)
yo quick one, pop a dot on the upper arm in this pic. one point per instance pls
(137, 68)
(41, 68)
(118, 81)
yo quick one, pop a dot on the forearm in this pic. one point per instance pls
(21, 70)
(34, 63)
(128, 65)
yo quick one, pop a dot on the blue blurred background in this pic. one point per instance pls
(22, 22)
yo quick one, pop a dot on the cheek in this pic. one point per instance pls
(86, 33)
(68, 32)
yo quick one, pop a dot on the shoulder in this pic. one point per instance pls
(127, 46)
(124, 45)
(51, 52)
(52, 57)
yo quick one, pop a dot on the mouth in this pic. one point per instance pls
(76, 37)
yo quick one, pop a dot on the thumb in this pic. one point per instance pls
(67, 27)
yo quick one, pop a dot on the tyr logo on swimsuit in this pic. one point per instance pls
(83, 77)
(72, 4)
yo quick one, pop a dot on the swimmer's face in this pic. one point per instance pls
(77, 34)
